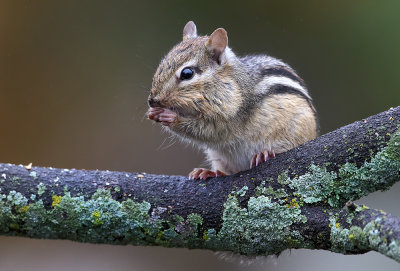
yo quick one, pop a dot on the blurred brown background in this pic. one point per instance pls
(75, 75)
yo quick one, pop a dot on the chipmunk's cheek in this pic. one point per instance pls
(167, 117)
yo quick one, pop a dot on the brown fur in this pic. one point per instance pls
(218, 109)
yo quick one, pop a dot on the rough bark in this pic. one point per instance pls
(293, 201)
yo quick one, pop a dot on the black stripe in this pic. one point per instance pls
(253, 101)
(283, 89)
(282, 71)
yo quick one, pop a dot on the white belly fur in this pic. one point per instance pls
(233, 159)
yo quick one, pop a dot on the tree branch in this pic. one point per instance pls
(292, 201)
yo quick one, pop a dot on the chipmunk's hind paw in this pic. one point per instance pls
(203, 173)
(261, 157)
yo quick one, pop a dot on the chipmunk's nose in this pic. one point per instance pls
(154, 102)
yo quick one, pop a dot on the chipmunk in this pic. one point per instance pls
(240, 110)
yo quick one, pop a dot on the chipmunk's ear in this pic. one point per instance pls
(190, 30)
(217, 43)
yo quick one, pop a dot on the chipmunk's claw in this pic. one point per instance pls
(203, 173)
(261, 157)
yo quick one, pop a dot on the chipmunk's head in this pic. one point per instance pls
(193, 78)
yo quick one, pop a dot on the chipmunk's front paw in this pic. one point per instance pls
(203, 173)
(261, 157)
(163, 115)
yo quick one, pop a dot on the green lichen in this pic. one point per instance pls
(205, 235)
(41, 189)
(185, 231)
(340, 237)
(97, 219)
(264, 227)
(292, 204)
(96, 216)
(314, 186)
(23, 209)
(393, 147)
(56, 200)
(15, 179)
(16, 199)
(284, 179)
(178, 219)
(195, 219)
(370, 237)
(242, 191)
(269, 191)
(33, 174)
(351, 182)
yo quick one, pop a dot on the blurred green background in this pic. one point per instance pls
(75, 75)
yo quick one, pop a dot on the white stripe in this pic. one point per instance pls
(228, 56)
(269, 81)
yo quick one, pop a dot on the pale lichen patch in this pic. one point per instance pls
(41, 189)
(33, 174)
(314, 186)
(264, 227)
(352, 182)
(370, 237)
(97, 219)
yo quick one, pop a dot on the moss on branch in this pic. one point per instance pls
(259, 212)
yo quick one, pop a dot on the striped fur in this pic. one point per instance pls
(233, 107)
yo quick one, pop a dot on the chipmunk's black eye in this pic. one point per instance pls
(187, 73)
